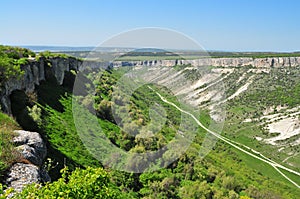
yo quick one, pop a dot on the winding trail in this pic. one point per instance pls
(255, 154)
(286, 159)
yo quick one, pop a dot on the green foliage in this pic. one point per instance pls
(85, 184)
(60, 129)
(195, 189)
(22, 61)
(35, 113)
(15, 52)
(8, 69)
(11, 58)
(5, 194)
(279, 87)
(47, 54)
(134, 115)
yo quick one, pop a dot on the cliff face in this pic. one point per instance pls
(34, 72)
(223, 62)
(32, 149)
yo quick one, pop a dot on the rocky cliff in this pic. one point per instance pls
(35, 72)
(38, 70)
(223, 62)
(28, 168)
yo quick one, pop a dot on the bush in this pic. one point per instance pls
(47, 54)
(11, 58)
(35, 113)
(6, 193)
(87, 183)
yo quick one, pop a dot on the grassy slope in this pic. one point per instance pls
(280, 87)
(223, 158)
(7, 152)
(248, 171)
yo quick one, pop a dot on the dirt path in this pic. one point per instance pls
(255, 154)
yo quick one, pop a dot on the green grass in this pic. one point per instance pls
(48, 54)
(262, 168)
(245, 136)
(252, 171)
(247, 170)
(295, 160)
(8, 155)
(292, 176)
(59, 128)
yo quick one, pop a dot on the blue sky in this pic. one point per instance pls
(235, 25)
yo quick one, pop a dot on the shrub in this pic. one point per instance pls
(10, 60)
(35, 113)
(81, 183)
(47, 54)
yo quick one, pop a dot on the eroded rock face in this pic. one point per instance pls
(34, 73)
(29, 168)
(60, 65)
(31, 146)
(222, 62)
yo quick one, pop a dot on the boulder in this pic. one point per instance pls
(31, 146)
(20, 175)
(29, 168)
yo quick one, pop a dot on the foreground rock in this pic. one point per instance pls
(31, 146)
(28, 170)
(21, 174)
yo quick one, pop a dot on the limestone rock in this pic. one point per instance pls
(34, 73)
(20, 175)
(35, 70)
(222, 62)
(31, 146)
(29, 170)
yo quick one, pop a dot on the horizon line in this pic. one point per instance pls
(114, 47)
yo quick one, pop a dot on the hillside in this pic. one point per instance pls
(243, 104)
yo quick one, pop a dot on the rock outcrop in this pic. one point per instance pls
(20, 175)
(29, 168)
(31, 146)
(222, 62)
(35, 72)
(38, 70)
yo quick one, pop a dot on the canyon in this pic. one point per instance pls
(38, 70)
